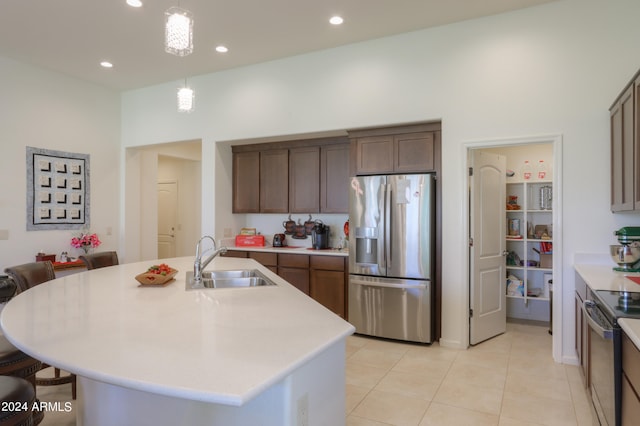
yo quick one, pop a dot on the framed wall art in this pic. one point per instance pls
(57, 190)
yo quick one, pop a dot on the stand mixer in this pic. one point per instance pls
(627, 254)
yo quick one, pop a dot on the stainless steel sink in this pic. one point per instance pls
(229, 279)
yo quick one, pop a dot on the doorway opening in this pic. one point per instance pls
(515, 235)
(147, 168)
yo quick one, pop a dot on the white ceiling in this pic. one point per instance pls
(73, 36)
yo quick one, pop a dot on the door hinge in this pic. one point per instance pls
(470, 313)
(470, 171)
(470, 242)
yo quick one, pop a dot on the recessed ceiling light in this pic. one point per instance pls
(134, 3)
(106, 64)
(222, 49)
(336, 20)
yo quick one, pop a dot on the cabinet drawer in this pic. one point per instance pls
(327, 263)
(631, 361)
(235, 253)
(293, 260)
(266, 259)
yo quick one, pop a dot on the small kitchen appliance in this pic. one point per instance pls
(627, 253)
(278, 240)
(320, 236)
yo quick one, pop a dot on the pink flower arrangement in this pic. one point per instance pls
(86, 241)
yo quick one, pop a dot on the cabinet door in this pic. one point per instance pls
(414, 152)
(334, 179)
(636, 143)
(246, 182)
(328, 289)
(274, 181)
(622, 168)
(304, 180)
(297, 277)
(374, 155)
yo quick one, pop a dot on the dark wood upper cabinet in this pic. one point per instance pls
(403, 149)
(306, 176)
(625, 159)
(413, 152)
(274, 181)
(304, 180)
(334, 178)
(246, 182)
(374, 155)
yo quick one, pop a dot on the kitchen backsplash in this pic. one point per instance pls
(269, 224)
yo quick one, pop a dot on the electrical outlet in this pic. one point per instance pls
(4, 234)
(227, 232)
(303, 410)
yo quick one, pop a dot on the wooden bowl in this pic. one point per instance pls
(148, 278)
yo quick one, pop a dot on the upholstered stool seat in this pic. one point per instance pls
(100, 260)
(14, 362)
(8, 288)
(18, 397)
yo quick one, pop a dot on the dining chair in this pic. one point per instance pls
(27, 276)
(100, 260)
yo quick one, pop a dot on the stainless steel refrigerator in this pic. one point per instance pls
(391, 256)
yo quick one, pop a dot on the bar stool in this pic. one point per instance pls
(17, 396)
(15, 363)
(27, 276)
(99, 260)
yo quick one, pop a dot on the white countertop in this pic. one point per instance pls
(216, 345)
(603, 277)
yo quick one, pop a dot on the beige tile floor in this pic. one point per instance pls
(510, 380)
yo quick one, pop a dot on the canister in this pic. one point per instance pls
(514, 227)
(545, 197)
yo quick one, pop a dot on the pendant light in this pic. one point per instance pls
(185, 98)
(178, 32)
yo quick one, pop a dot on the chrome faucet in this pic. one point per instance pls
(199, 264)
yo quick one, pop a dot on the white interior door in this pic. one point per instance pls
(488, 311)
(167, 219)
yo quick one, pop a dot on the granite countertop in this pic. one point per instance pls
(221, 346)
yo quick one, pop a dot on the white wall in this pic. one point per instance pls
(47, 110)
(552, 69)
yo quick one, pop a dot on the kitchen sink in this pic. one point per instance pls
(240, 278)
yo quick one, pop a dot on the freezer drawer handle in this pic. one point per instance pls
(587, 308)
(386, 284)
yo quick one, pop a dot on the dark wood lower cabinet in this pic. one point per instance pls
(328, 283)
(294, 268)
(630, 382)
(269, 260)
(324, 278)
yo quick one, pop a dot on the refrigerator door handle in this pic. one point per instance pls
(387, 226)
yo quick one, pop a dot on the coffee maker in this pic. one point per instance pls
(320, 236)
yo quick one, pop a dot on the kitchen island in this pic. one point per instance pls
(166, 355)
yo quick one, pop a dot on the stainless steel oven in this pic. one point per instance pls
(605, 363)
(602, 310)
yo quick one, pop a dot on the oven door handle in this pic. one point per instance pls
(594, 324)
